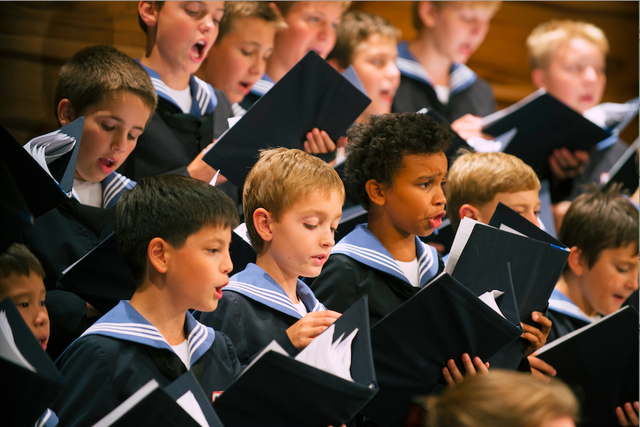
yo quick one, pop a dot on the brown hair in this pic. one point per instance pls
(356, 27)
(598, 220)
(279, 179)
(19, 260)
(501, 398)
(547, 37)
(97, 73)
(235, 10)
(285, 6)
(439, 5)
(476, 178)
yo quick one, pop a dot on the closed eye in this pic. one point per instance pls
(310, 226)
(108, 128)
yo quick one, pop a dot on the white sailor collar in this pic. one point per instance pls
(460, 76)
(364, 247)
(124, 322)
(562, 304)
(262, 86)
(255, 283)
(203, 98)
(113, 186)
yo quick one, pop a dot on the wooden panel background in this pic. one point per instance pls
(36, 38)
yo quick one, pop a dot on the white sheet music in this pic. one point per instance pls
(332, 357)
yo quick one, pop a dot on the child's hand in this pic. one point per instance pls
(469, 126)
(452, 374)
(628, 416)
(541, 369)
(318, 142)
(199, 169)
(536, 337)
(565, 164)
(310, 326)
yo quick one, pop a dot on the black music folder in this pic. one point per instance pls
(624, 171)
(505, 218)
(31, 387)
(187, 386)
(47, 184)
(241, 251)
(600, 363)
(533, 127)
(278, 390)
(413, 343)
(101, 277)
(311, 95)
(480, 250)
(14, 213)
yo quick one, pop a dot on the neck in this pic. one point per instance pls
(276, 67)
(159, 308)
(401, 246)
(569, 285)
(426, 53)
(171, 74)
(287, 280)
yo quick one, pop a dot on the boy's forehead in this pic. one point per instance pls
(318, 200)
(424, 164)
(17, 284)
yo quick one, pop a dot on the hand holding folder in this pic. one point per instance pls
(278, 390)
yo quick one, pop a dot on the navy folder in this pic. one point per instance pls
(600, 363)
(101, 277)
(624, 171)
(27, 394)
(188, 383)
(40, 191)
(542, 124)
(14, 213)
(280, 391)
(413, 343)
(505, 216)
(312, 94)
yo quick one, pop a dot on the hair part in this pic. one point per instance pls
(19, 260)
(97, 73)
(546, 38)
(281, 178)
(598, 220)
(501, 398)
(354, 30)
(476, 179)
(171, 207)
(494, 6)
(376, 149)
(236, 10)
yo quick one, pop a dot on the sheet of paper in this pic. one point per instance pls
(189, 403)
(460, 240)
(332, 357)
(489, 298)
(8, 348)
(49, 147)
(241, 231)
(482, 145)
(506, 228)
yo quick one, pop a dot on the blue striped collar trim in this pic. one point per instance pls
(125, 323)
(562, 304)
(364, 247)
(460, 76)
(203, 99)
(113, 186)
(255, 283)
(48, 419)
(262, 86)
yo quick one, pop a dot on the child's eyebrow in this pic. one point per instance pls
(23, 294)
(430, 177)
(119, 120)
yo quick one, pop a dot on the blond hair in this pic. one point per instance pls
(281, 178)
(439, 5)
(235, 10)
(546, 38)
(476, 178)
(356, 27)
(501, 398)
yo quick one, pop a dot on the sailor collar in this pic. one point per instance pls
(562, 304)
(364, 247)
(262, 86)
(113, 186)
(255, 283)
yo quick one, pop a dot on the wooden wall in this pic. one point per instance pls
(36, 38)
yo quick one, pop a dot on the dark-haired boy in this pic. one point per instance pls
(116, 97)
(602, 270)
(190, 112)
(174, 233)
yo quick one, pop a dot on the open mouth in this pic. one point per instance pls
(436, 221)
(245, 87)
(320, 259)
(198, 49)
(43, 343)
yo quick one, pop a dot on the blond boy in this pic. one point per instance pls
(368, 43)
(292, 204)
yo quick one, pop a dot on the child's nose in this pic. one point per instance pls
(42, 318)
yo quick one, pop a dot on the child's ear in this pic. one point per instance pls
(148, 13)
(335, 64)
(576, 261)
(468, 211)
(65, 112)
(538, 78)
(427, 13)
(375, 191)
(262, 222)
(157, 254)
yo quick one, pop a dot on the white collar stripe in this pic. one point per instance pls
(114, 189)
(569, 309)
(196, 338)
(370, 255)
(125, 332)
(262, 293)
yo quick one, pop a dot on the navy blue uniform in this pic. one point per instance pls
(565, 316)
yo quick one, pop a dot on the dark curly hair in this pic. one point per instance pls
(376, 148)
